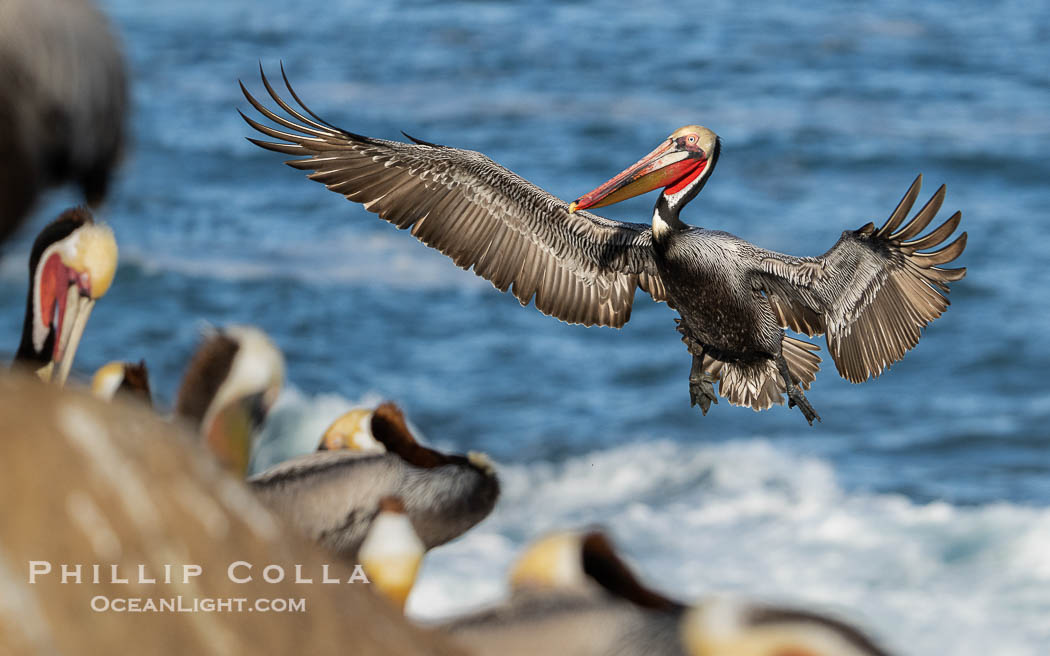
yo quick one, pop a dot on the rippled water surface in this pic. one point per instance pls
(919, 505)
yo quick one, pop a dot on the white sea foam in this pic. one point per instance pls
(749, 517)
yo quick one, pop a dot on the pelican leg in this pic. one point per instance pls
(701, 385)
(795, 395)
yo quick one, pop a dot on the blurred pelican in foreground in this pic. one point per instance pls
(71, 266)
(63, 103)
(731, 627)
(392, 552)
(84, 480)
(331, 495)
(230, 385)
(572, 595)
(122, 379)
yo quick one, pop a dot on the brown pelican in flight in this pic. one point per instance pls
(71, 265)
(63, 102)
(229, 386)
(331, 496)
(871, 294)
(572, 594)
(122, 380)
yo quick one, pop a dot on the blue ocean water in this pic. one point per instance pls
(919, 505)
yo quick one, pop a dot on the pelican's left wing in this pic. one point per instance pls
(581, 268)
(873, 292)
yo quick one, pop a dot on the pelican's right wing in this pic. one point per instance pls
(581, 268)
(873, 292)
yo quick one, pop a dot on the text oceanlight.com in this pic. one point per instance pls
(180, 604)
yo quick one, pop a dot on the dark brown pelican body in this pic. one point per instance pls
(229, 386)
(332, 496)
(871, 294)
(71, 265)
(741, 332)
(63, 102)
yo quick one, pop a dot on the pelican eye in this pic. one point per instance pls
(688, 141)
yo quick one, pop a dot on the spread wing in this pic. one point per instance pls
(580, 268)
(873, 292)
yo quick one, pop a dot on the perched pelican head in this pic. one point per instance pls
(229, 387)
(728, 627)
(353, 431)
(583, 562)
(390, 429)
(124, 378)
(71, 266)
(553, 561)
(392, 552)
(681, 165)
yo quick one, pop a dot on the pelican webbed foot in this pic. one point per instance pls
(794, 393)
(701, 386)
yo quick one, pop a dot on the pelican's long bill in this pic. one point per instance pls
(77, 310)
(677, 161)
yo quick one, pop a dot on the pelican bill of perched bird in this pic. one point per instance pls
(122, 379)
(392, 552)
(871, 293)
(229, 386)
(71, 266)
(330, 496)
(63, 103)
(571, 594)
